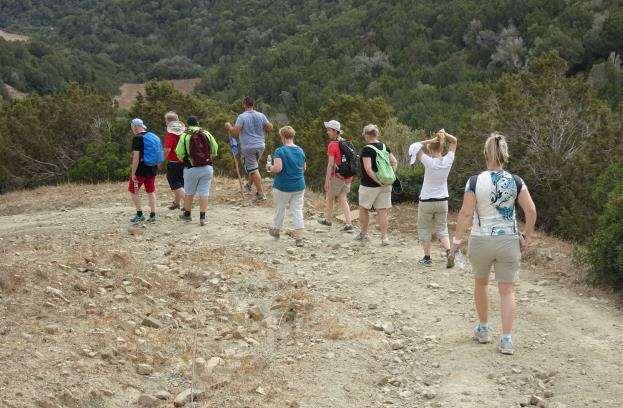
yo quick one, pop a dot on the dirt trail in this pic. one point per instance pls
(333, 324)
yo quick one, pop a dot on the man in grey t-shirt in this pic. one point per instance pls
(250, 125)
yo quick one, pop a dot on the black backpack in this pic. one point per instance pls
(349, 165)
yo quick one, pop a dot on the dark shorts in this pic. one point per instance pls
(149, 182)
(175, 175)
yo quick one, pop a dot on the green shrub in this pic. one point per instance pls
(605, 251)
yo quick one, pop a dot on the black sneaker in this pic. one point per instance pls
(137, 219)
(185, 217)
(151, 220)
(425, 262)
(324, 221)
(348, 228)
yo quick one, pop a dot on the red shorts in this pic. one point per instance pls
(149, 182)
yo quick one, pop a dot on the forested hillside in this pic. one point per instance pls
(545, 73)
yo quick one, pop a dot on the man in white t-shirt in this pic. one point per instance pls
(433, 205)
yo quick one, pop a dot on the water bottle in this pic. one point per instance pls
(269, 162)
(461, 261)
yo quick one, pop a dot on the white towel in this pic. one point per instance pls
(413, 151)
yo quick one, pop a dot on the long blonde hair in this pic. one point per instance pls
(496, 149)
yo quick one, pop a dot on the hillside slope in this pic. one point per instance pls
(93, 316)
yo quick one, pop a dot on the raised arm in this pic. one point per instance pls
(452, 141)
(234, 130)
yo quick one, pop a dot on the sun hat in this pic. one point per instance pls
(176, 127)
(333, 124)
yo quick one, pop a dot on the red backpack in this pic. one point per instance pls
(200, 151)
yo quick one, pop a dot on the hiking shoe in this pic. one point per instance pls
(185, 217)
(385, 242)
(348, 228)
(260, 197)
(174, 206)
(362, 237)
(151, 220)
(248, 188)
(506, 345)
(202, 221)
(273, 232)
(324, 221)
(425, 262)
(482, 334)
(449, 259)
(299, 242)
(137, 219)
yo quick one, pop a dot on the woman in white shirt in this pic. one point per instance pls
(490, 198)
(433, 205)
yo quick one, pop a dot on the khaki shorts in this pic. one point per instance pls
(501, 251)
(251, 158)
(377, 197)
(338, 187)
(432, 216)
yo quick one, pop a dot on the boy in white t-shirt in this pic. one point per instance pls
(433, 205)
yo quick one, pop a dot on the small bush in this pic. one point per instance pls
(605, 251)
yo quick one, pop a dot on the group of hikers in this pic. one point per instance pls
(489, 200)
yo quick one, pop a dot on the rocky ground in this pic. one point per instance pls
(94, 314)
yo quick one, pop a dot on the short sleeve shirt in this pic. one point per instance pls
(252, 129)
(333, 150)
(436, 171)
(496, 194)
(170, 142)
(367, 151)
(142, 170)
(291, 178)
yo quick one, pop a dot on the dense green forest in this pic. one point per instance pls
(548, 74)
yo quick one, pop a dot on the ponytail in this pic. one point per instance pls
(496, 149)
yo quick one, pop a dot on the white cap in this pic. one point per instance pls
(333, 124)
(138, 123)
(413, 151)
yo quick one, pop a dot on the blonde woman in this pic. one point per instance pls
(495, 239)
(432, 215)
(289, 185)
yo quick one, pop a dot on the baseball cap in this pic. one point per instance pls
(138, 123)
(176, 127)
(333, 124)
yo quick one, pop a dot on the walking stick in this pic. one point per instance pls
(233, 145)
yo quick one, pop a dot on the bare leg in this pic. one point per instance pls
(151, 199)
(343, 200)
(445, 242)
(256, 179)
(507, 303)
(382, 217)
(364, 220)
(188, 203)
(136, 199)
(426, 245)
(481, 298)
(203, 204)
(328, 207)
(178, 195)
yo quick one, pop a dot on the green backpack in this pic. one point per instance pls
(385, 172)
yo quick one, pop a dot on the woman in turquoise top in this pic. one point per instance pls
(289, 185)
